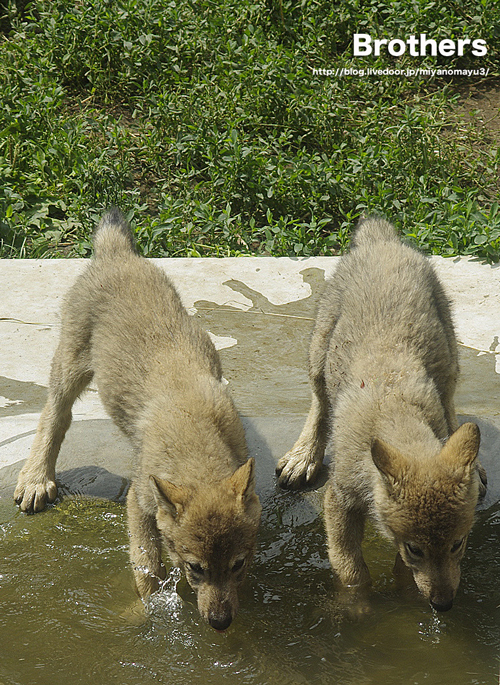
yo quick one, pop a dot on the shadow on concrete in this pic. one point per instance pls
(96, 459)
(92, 481)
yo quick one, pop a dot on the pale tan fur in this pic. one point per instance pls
(159, 378)
(383, 367)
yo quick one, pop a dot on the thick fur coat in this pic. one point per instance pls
(159, 378)
(383, 368)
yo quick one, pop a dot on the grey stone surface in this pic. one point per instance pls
(260, 313)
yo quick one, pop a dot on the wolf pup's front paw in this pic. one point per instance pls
(34, 495)
(354, 602)
(297, 469)
(148, 582)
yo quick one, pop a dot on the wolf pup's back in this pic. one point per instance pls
(387, 301)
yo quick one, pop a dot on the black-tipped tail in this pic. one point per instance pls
(372, 230)
(113, 235)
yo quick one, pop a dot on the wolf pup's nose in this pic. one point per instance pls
(442, 606)
(220, 623)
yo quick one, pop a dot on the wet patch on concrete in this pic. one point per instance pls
(267, 369)
(478, 390)
(20, 397)
(477, 399)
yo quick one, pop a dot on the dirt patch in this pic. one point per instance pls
(479, 108)
(473, 131)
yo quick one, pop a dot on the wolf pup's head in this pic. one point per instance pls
(426, 506)
(211, 533)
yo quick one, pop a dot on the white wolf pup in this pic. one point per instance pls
(383, 367)
(159, 378)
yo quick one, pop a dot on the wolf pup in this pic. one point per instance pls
(159, 378)
(383, 367)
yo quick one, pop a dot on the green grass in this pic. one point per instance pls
(204, 122)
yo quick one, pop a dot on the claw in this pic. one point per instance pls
(33, 497)
(483, 481)
(296, 470)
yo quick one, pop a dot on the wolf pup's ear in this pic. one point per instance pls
(462, 447)
(169, 497)
(242, 481)
(389, 461)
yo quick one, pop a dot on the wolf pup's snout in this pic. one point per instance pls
(441, 605)
(222, 618)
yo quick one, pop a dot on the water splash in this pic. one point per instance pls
(170, 618)
(433, 629)
(167, 600)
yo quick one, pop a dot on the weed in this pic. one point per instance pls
(205, 122)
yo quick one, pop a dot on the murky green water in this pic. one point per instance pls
(68, 609)
(69, 612)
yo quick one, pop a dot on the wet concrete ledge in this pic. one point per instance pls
(260, 312)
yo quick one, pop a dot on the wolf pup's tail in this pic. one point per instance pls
(373, 230)
(113, 237)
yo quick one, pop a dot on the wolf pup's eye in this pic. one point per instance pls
(196, 568)
(238, 565)
(457, 545)
(413, 550)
